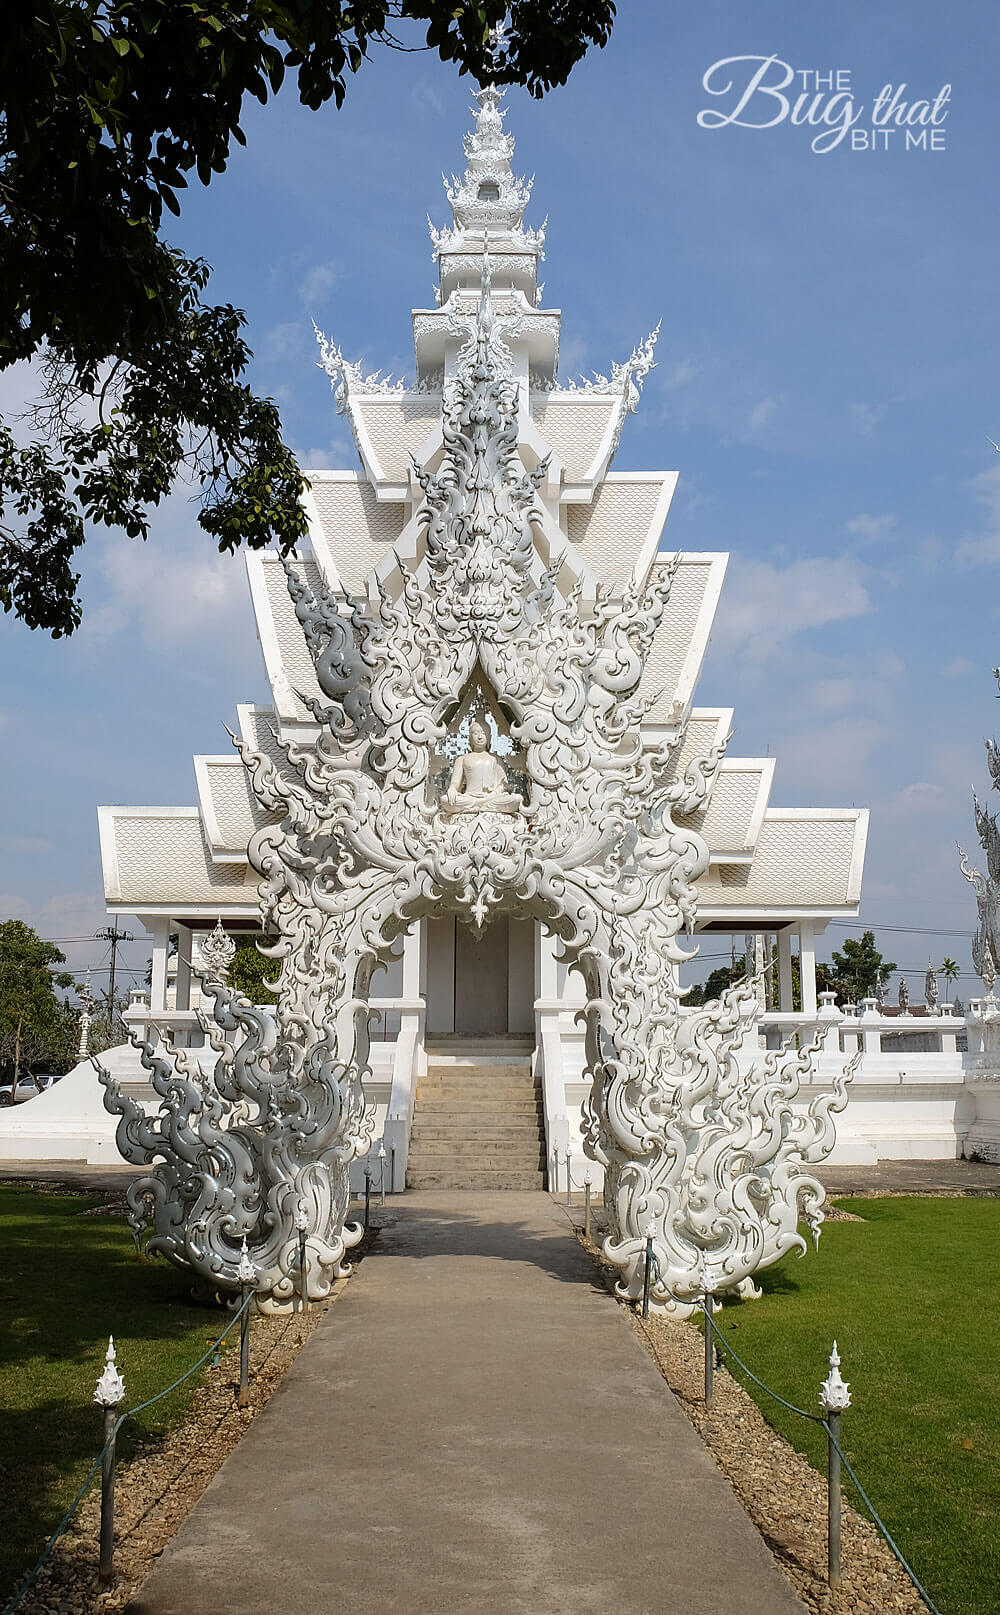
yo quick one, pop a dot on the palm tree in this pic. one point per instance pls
(950, 972)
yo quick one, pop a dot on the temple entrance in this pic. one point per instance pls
(480, 987)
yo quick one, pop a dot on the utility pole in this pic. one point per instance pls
(112, 934)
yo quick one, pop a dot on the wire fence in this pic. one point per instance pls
(715, 1345)
(111, 1437)
(114, 1423)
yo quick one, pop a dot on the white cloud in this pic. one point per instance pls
(335, 457)
(285, 341)
(681, 373)
(921, 796)
(764, 606)
(175, 590)
(958, 668)
(426, 97)
(832, 695)
(20, 386)
(871, 528)
(762, 413)
(317, 284)
(867, 416)
(827, 755)
(985, 548)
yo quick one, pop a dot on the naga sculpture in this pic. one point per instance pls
(986, 942)
(709, 1157)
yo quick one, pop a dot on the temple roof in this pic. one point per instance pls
(607, 526)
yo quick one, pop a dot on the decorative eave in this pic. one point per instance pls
(157, 860)
(807, 864)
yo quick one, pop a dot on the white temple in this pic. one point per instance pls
(459, 1002)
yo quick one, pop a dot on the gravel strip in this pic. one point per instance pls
(778, 1488)
(157, 1490)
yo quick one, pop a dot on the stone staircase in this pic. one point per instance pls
(478, 1123)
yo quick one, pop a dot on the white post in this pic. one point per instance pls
(948, 1026)
(412, 963)
(158, 989)
(182, 980)
(807, 966)
(757, 966)
(871, 1026)
(786, 1001)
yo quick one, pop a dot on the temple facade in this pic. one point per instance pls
(468, 1009)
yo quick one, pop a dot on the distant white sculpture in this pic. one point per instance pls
(86, 997)
(931, 989)
(478, 781)
(904, 996)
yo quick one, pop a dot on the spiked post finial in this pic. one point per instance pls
(834, 1394)
(110, 1390)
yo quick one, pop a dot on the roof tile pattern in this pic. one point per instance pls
(259, 728)
(358, 528)
(699, 738)
(613, 528)
(574, 428)
(237, 813)
(295, 659)
(167, 860)
(396, 428)
(797, 863)
(726, 821)
(662, 675)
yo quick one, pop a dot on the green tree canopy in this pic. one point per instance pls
(250, 974)
(33, 1021)
(857, 970)
(950, 971)
(108, 107)
(716, 982)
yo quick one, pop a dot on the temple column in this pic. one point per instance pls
(546, 969)
(807, 966)
(158, 984)
(182, 980)
(786, 998)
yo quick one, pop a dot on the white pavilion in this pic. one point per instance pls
(503, 997)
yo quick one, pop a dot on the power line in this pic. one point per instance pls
(112, 934)
(901, 930)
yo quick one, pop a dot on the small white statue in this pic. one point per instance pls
(478, 782)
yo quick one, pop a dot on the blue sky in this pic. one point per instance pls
(826, 379)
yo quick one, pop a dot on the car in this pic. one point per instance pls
(45, 1079)
(25, 1089)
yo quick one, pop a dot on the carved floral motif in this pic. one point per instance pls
(715, 1161)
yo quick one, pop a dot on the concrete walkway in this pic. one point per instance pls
(473, 1428)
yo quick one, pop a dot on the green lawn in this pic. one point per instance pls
(911, 1295)
(67, 1280)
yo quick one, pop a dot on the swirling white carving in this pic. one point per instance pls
(347, 378)
(715, 1160)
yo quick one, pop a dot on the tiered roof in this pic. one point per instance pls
(767, 864)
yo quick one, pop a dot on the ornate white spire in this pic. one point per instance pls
(489, 198)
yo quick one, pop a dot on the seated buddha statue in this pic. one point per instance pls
(478, 782)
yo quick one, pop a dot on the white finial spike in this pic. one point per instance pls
(834, 1394)
(302, 1217)
(246, 1272)
(110, 1389)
